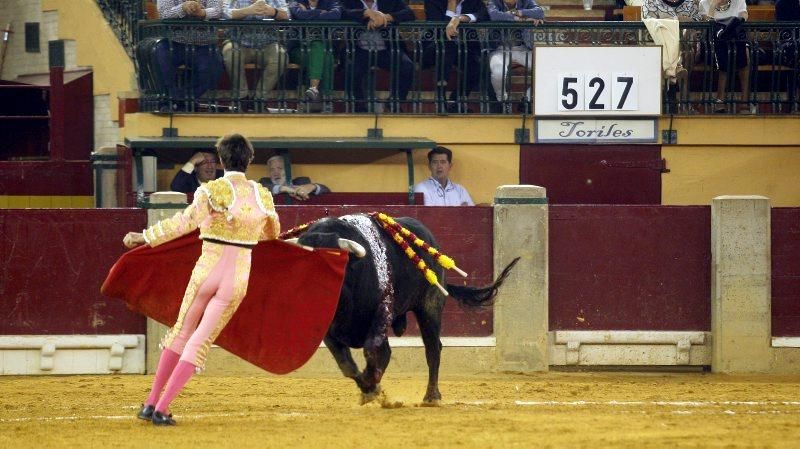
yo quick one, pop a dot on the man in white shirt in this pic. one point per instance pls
(438, 189)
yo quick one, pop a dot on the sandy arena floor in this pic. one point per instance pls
(569, 410)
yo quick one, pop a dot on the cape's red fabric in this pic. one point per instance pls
(290, 302)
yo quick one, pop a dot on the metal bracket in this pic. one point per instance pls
(375, 133)
(169, 132)
(669, 136)
(522, 135)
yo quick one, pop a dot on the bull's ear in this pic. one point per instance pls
(352, 247)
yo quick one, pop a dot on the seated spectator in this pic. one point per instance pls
(300, 188)
(256, 47)
(454, 12)
(730, 41)
(315, 58)
(195, 49)
(520, 53)
(663, 9)
(438, 189)
(787, 10)
(373, 48)
(201, 168)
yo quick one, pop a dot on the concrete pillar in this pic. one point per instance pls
(520, 312)
(162, 205)
(740, 284)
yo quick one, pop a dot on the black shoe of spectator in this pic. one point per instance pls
(167, 107)
(457, 108)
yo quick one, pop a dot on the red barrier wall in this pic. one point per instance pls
(786, 272)
(52, 263)
(630, 267)
(463, 233)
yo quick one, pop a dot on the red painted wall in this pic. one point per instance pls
(630, 267)
(786, 272)
(611, 267)
(52, 263)
(46, 178)
(463, 233)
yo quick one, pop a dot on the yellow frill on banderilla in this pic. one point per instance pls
(401, 235)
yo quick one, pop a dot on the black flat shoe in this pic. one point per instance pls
(160, 419)
(146, 412)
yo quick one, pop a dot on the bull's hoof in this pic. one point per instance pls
(431, 402)
(367, 397)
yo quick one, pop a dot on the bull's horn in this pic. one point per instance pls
(352, 247)
(295, 242)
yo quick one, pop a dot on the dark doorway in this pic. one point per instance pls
(594, 174)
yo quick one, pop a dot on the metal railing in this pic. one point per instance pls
(123, 16)
(266, 66)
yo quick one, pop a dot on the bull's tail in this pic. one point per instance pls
(480, 296)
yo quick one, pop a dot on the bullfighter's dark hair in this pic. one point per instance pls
(235, 151)
(440, 150)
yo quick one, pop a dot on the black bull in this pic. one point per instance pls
(378, 290)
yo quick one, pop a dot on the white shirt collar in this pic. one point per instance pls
(439, 185)
(231, 173)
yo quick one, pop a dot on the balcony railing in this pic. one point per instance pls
(268, 66)
(123, 17)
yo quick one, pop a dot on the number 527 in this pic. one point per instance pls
(598, 92)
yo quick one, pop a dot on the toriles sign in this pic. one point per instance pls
(590, 130)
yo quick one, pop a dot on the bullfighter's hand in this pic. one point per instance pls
(133, 239)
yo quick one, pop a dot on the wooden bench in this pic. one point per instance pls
(761, 13)
(179, 149)
(631, 13)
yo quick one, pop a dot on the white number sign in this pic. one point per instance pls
(598, 92)
(597, 81)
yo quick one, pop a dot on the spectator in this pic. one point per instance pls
(454, 12)
(299, 189)
(730, 40)
(316, 58)
(195, 49)
(661, 9)
(787, 10)
(512, 52)
(201, 168)
(254, 46)
(438, 189)
(372, 48)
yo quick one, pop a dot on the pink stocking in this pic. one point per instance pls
(180, 376)
(166, 364)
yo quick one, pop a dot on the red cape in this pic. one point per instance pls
(290, 302)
